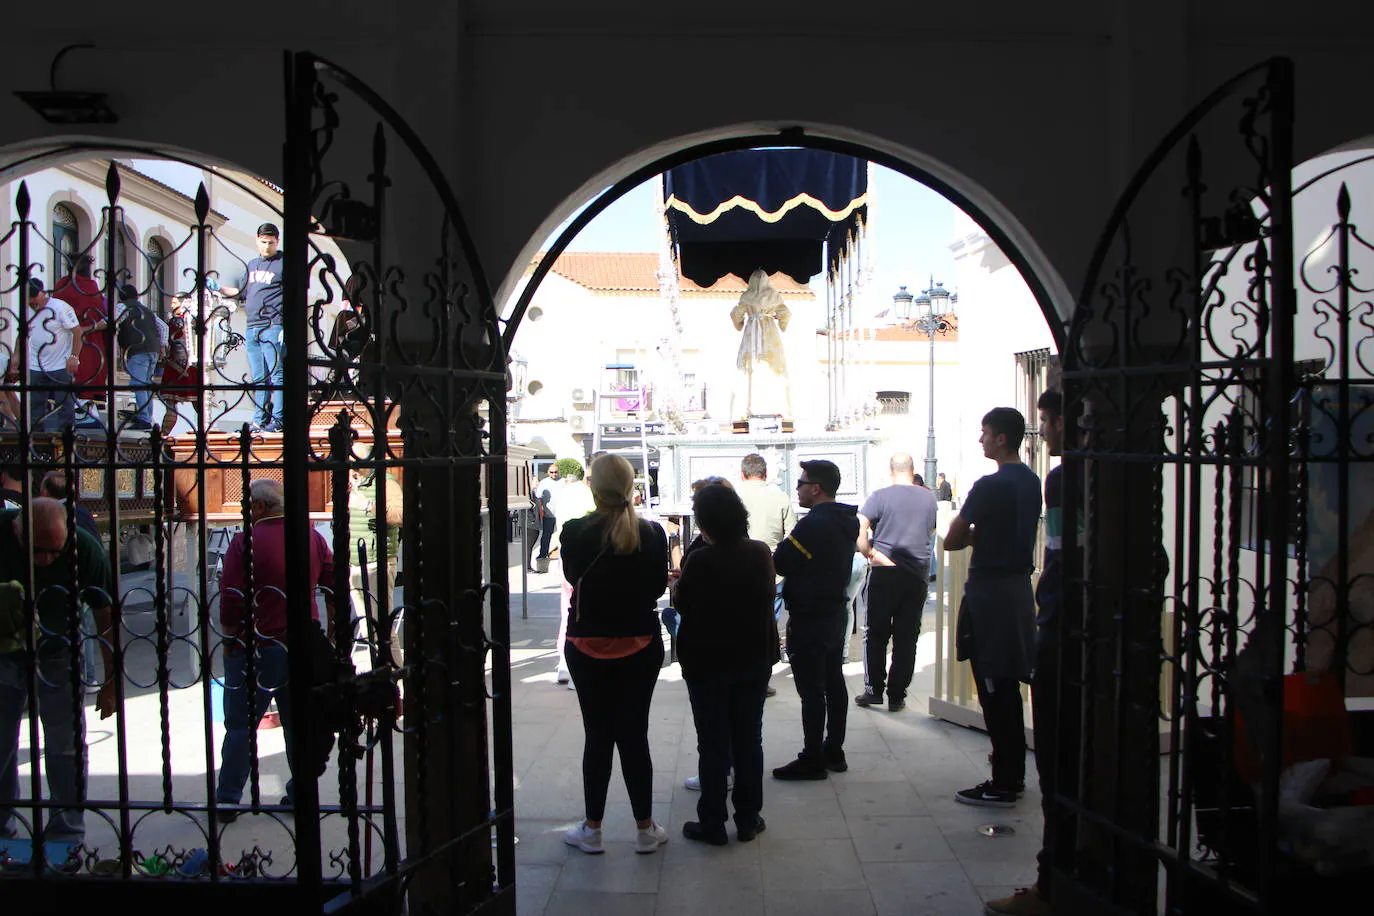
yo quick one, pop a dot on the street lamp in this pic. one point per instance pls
(932, 310)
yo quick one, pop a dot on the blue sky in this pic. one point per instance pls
(910, 231)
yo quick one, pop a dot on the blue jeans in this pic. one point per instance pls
(141, 367)
(265, 351)
(242, 717)
(44, 388)
(64, 742)
(727, 707)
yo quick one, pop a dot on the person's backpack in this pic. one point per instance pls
(138, 329)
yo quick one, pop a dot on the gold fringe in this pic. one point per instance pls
(737, 201)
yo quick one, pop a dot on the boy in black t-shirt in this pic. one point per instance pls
(996, 629)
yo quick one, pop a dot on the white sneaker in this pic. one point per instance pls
(694, 782)
(587, 839)
(647, 841)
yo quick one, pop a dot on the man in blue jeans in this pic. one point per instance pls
(263, 613)
(142, 337)
(262, 294)
(54, 348)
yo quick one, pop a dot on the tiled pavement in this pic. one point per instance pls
(886, 837)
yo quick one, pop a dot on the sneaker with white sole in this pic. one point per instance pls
(986, 795)
(585, 838)
(694, 782)
(648, 840)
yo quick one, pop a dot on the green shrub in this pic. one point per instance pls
(569, 468)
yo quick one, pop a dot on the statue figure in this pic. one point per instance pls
(762, 315)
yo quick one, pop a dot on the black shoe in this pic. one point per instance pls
(693, 830)
(868, 698)
(770, 691)
(801, 769)
(835, 762)
(747, 833)
(986, 795)
(228, 815)
(896, 704)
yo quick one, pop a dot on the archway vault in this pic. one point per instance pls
(613, 182)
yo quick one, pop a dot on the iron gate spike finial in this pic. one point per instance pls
(1342, 203)
(21, 201)
(112, 182)
(202, 204)
(379, 149)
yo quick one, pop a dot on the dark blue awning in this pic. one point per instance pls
(772, 209)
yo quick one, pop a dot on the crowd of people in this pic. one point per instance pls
(751, 559)
(67, 548)
(73, 340)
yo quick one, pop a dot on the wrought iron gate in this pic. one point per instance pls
(390, 431)
(1193, 450)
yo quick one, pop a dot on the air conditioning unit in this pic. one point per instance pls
(579, 395)
(703, 429)
(577, 422)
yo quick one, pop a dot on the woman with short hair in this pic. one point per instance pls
(617, 565)
(727, 644)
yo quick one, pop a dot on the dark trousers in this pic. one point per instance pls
(728, 709)
(896, 598)
(1045, 710)
(547, 525)
(815, 649)
(1005, 718)
(614, 694)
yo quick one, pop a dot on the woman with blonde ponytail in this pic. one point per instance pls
(617, 565)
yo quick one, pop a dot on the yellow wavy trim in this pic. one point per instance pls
(798, 544)
(738, 201)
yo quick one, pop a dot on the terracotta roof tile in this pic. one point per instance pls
(636, 272)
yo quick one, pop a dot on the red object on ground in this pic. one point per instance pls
(1315, 724)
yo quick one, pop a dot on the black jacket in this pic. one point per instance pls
(619, 593)
(816, 559)
(725, 597)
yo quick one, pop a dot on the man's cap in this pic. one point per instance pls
(35, 286)
(269, 229)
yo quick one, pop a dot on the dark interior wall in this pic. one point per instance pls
(1040, 112)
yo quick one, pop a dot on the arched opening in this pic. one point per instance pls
(579, 209)
(137, 244)
(618, 360)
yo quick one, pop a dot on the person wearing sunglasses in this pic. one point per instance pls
(815, 561)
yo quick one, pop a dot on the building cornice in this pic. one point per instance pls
(137, 188)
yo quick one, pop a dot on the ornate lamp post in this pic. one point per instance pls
(931, 311)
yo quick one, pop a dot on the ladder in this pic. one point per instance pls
(634, 426)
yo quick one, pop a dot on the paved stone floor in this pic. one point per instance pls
(886, 837)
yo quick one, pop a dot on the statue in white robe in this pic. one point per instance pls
(762, 316)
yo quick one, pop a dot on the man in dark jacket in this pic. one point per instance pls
(815, 561)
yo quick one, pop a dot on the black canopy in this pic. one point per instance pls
(772, 209)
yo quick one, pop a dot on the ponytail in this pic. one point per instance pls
(613, 482)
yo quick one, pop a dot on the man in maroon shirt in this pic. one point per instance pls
(263, 612)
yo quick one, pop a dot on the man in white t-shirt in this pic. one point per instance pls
(53, 357)
(543, 504)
